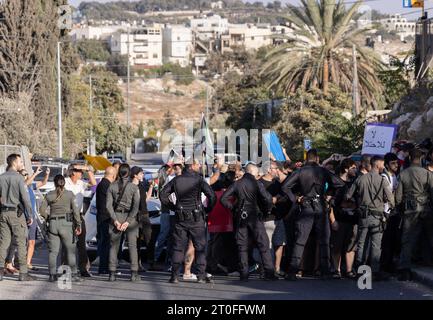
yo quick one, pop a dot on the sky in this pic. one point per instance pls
(386, 6)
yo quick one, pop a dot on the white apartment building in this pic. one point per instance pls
(94, 32)
(210, 26)
(281, 33)
(400, 25)
(250, 36)
(177, 45)
(145, 46)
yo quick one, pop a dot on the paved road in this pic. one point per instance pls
(155, 286)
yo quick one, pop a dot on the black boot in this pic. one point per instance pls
(205, 280)
(26, 277)
(290, 276)
(244, 277)
(52, 278)
(270, 276)
(2, 272)
(112, 277)
(135, 277)
(174, 279)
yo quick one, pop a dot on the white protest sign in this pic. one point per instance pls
(378, 138)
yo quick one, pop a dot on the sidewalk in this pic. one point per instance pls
(423, 275)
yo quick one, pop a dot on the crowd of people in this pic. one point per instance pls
(279, 219)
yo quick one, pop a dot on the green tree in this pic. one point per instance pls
(118, 64)
(93, 50)
(311, 115)
(320, 52)
(396, 79)
(28, 39)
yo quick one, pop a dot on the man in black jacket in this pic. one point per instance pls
(190, 217)
(103, 219)
(252, 202)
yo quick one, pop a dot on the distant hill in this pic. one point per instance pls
(122, 9)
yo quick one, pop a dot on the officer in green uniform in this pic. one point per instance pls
(64, 223)
(371, 192)
(414, 194)
(123, 200)
(13, 222)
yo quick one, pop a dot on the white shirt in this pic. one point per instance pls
(78, 189)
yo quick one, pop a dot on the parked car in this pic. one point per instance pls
(55, 169)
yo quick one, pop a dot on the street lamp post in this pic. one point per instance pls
(158, 134)
(59, 103)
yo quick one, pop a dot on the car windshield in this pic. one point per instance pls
(54, 171)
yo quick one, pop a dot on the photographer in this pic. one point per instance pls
(33, 227)
(78, 187)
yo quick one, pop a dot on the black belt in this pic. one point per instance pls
(57, 218)
(8, 209)
(122, 211)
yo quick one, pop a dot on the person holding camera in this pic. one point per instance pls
(190, 217)
(414, 195)
(123, 201)
(78, 186)
(252, 203)
(64, 224)
(29, 180)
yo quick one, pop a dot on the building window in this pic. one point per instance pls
(252, 38)
(178, 38)
(155, 56)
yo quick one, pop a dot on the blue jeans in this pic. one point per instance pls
(103, 238)
(164, 232)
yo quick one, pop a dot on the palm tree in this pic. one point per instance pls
(319, 52)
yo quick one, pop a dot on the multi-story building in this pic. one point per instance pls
(177, 45)
(249, 36)
(400, 25)
(145, 46)
(210, 25)
(103, 32)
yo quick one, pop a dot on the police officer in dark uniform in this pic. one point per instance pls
(414, 194)
(311, 181)
(123, 200)
(252, 203)
(190, 217)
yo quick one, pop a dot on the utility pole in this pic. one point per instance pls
(128, 111)
(59, 102)
(356, 100)
(92, 145)
(207, 103)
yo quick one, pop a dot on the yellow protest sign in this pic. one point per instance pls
(98, 162)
